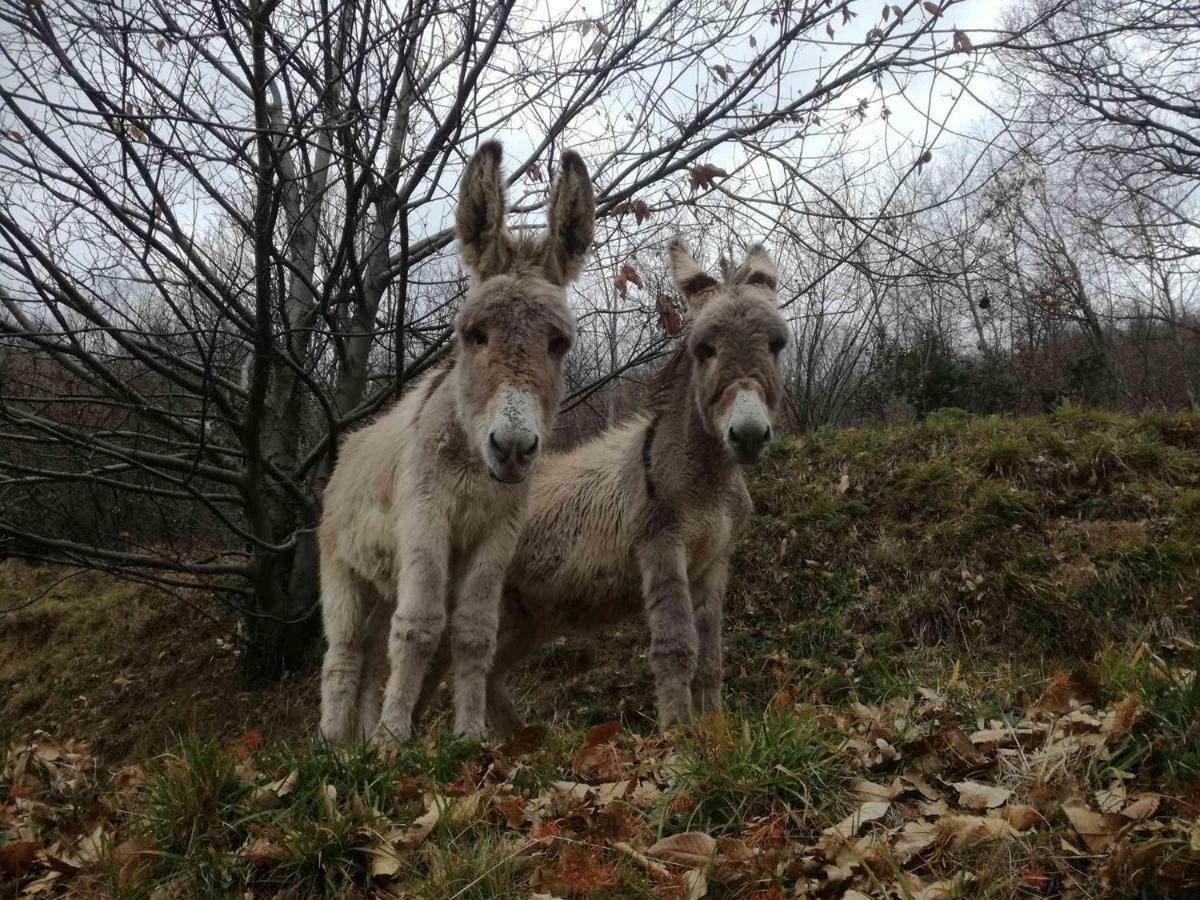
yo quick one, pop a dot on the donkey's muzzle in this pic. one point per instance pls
(749, 428)
(511, 456)
(514, 438)
(747, 441)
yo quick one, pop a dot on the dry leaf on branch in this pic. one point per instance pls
(702, 175)
(668, 316)
(626, 276)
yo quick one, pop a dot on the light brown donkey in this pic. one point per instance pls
(425, 506)
(644, 518)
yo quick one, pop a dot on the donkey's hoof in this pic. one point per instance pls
(391, 733)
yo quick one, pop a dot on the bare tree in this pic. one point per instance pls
(224, 236)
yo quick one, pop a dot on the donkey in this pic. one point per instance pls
(644, 518)
(425, 506)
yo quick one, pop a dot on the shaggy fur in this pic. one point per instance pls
(644, 519)
(415, 535)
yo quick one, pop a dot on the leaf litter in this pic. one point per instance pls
(928, 791)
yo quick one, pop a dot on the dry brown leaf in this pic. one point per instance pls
(933, 9)
(1143, 805)
(913, 839)
(668, 316)
(702, 175)
(1019, 816)
(262, 851)
(646, 794)
(869, 790)
(695, 884)
(937, 808)
(867, 812)
(18, 857)
(966, 831)
(1097, 830)
(974, 795)
(421, 827)
(611, 792)
(524, 741)
(691, 848)
(919, 782)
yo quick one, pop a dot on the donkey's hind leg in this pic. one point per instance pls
(518, 637)
(343, 612)
(375, 665)
(502, 714)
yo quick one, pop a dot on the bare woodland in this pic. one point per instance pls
(226, 233)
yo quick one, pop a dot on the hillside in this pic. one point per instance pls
(960, 662)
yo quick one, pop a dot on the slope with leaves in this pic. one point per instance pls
(1076, 794)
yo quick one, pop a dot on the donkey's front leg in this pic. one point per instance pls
(708, 594)
(474, 627)
(418, 621)
(673, 639)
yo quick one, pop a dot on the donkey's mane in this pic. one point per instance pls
(664, 385)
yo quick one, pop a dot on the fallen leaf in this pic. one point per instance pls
(869, 790)
(695, 884)
(966, 831)
(132, 858)
(914, 838)
(974, 795)
(691, 849)
(1019, 816)
(18, 857)
(1096, 829)
(867, 812)
(526, 740)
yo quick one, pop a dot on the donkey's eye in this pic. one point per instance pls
(705, 351)
(476, 337)
(777, 344)
(559, 345)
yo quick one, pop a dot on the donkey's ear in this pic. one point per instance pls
(757, 271)
(482, 236)
(570, 220)
(693, 282)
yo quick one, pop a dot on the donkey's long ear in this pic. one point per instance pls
(693, 282)
(483, 238)
(757, 271)
(570, 221)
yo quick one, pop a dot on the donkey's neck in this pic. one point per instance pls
(705, 458)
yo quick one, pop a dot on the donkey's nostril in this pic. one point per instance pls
(749, 436)
(495, 443)
(531, 447)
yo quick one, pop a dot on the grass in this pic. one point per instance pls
(770, 765)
